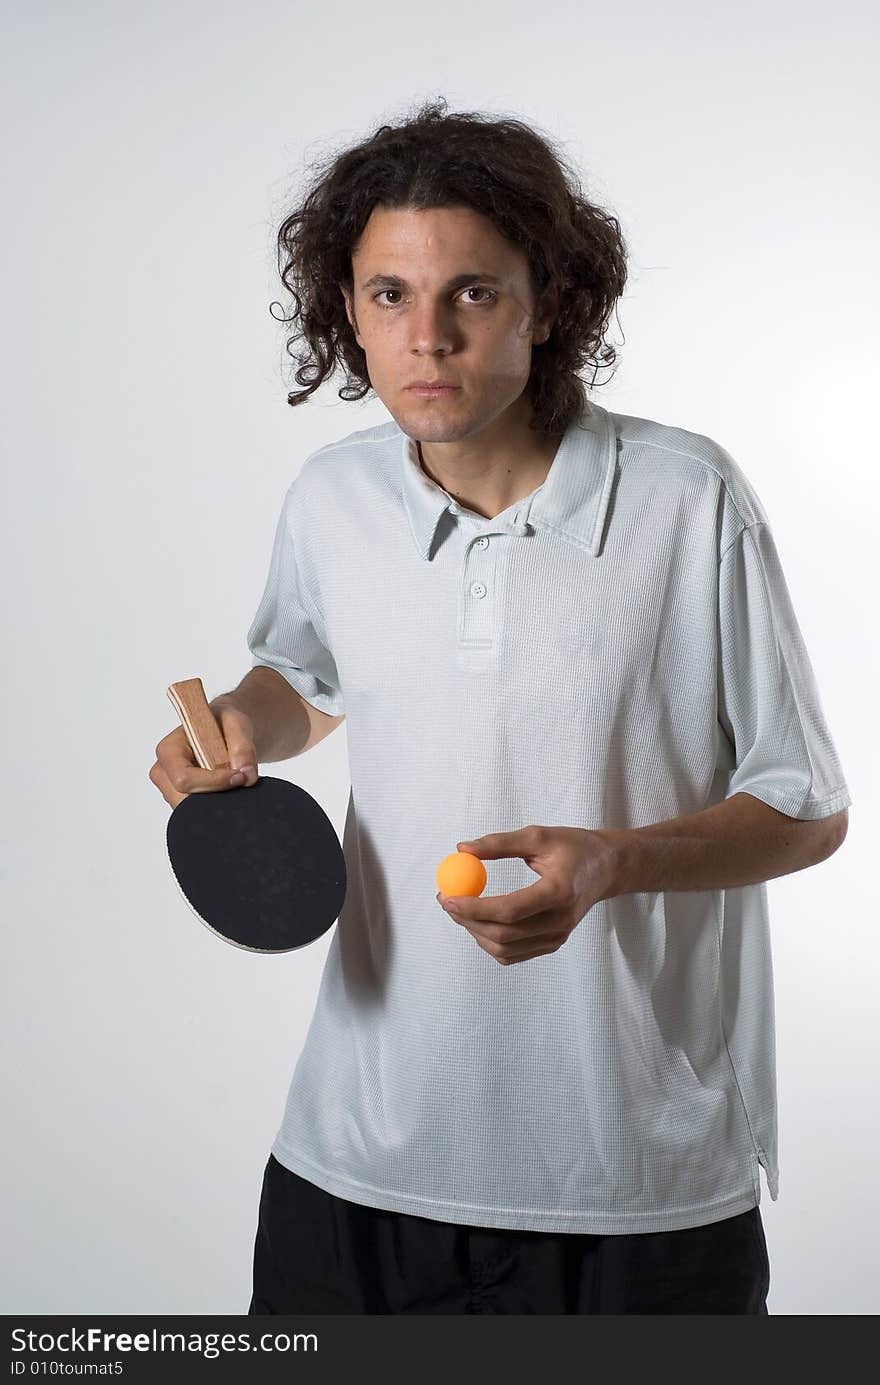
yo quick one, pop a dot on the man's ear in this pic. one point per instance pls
(545, 315)
(349, 312)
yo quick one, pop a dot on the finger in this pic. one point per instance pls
(177, 758)
(495, 845)
(165, 787)
(528, 934)
(240, 746)
(543, 949)
(508, 957)
(505, 908)
(185, 777)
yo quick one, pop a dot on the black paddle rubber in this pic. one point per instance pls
(261, 865)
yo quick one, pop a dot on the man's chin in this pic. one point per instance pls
(430, 421)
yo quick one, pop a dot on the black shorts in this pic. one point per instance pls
(318, 1253)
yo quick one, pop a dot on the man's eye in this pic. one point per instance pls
(472, 288)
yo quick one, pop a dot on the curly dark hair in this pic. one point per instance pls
(501, 168)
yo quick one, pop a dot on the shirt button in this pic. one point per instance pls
(478, 589)
(482, 542)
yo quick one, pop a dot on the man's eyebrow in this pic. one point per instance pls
(395, 281)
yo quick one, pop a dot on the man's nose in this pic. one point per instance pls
(431, 327)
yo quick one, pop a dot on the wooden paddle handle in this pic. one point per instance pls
(201, 726)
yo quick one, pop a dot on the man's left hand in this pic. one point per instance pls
(577, 869)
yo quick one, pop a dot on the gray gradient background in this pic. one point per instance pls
(149, 152)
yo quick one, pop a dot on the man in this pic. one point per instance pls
(564, 633)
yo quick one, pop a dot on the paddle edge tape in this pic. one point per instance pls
(266, 951)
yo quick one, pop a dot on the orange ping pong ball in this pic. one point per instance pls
(461, 874)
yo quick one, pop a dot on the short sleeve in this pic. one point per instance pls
(285, 632)
(776, 739)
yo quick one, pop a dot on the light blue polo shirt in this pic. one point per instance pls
(617, 648)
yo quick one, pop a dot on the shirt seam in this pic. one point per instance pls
(780, 654)
(739, 533)
(358, 438)
(632, 443)
(392, 428)
(694, 457)
(310, 602)
(558, 1214)
(716, 911)
(790, 805)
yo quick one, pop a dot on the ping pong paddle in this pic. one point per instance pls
(260, 865)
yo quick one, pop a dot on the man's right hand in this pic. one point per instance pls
(177, 772)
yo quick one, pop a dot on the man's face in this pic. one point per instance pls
(415, 324)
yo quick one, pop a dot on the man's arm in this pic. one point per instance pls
(741, 841)
(284, 723)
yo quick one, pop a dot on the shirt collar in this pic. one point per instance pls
(572, 501)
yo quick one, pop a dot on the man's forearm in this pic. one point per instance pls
(740, 841)
(281, 722)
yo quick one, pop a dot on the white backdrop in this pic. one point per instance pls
(150, 150)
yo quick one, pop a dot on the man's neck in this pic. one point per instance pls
(490, 484)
